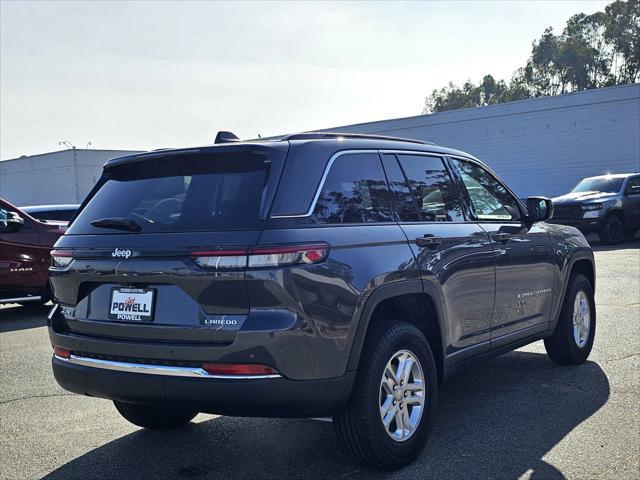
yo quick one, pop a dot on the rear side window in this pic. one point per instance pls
(435, 192)
(355, 191)
(196, 193)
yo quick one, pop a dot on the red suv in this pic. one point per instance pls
(25, 244)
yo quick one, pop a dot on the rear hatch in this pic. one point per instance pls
(130, 265)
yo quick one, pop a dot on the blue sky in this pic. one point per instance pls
(150, 75)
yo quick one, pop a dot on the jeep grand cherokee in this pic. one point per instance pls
(316, 275)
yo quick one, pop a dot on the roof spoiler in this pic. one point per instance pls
(226, 137)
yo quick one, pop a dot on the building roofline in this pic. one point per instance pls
(72, 150)
(541, 101)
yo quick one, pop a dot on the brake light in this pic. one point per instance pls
(61, 352)
(262, 256)
(61, 258)
(238, 369)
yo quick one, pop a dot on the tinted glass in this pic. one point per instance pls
(490, 200)
(405, 204)
(62, 215)
(633, 186)
(203, 193)
(599, 184)
(436, 194)
(355, 191)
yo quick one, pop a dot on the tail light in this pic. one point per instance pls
(61, 258)
(262, 256)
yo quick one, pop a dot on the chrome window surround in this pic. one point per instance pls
(348, 152)
(167, 370)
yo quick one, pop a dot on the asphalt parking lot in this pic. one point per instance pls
(517, 416)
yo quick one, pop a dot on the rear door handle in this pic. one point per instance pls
(501, 237)
(428, 241)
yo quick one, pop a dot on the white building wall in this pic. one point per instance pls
(540, 146)
(52, 178)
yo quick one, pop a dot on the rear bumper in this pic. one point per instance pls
(255, 397)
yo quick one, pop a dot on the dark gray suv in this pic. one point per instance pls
(608, 205)
(315, 275)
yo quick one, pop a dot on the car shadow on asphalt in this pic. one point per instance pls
(18, 317)
(496, 420)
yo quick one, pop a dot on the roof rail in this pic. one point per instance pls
(321, 135)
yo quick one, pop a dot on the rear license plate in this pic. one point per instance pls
(132, 304)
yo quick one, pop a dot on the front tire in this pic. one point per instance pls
(156, 418)
(612, 231)
(391, 409)
(573, 337)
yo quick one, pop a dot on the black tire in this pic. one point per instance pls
(359, 428)
(612, 231)
(562, 346)
(157, 418)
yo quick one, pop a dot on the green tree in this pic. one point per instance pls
(622, 31)
(592, 51)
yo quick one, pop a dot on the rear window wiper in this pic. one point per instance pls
(117, 223)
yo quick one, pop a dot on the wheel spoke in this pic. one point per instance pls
(387, 405)
(390, 375)
(405, 419)
(400, 422)
(386, 420)
(406, 373)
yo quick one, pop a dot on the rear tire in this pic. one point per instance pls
(360, 427)
(573, 337)
(612, 230)
(157, 418)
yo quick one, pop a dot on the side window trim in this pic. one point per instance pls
(325, 174)
(472, 213)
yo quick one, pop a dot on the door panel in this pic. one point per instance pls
(455, 257)
(523, 254)
(20, 272)
(462, 266)
(631, 203)
(524, 277)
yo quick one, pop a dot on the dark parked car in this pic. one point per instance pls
(608, 205)
(25, 244)
(317, 275)
(62, 213)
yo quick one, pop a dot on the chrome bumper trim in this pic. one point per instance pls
(21, 299)
(155, 369)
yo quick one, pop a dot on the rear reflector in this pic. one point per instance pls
(262, 256)
(61, 258)
(238, 369)
(61, 352)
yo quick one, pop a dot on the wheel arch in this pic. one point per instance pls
(582, 262)
(408, 301)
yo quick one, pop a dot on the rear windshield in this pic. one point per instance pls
(195, 193)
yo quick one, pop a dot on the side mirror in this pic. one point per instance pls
(12, 223)
(539, 209)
